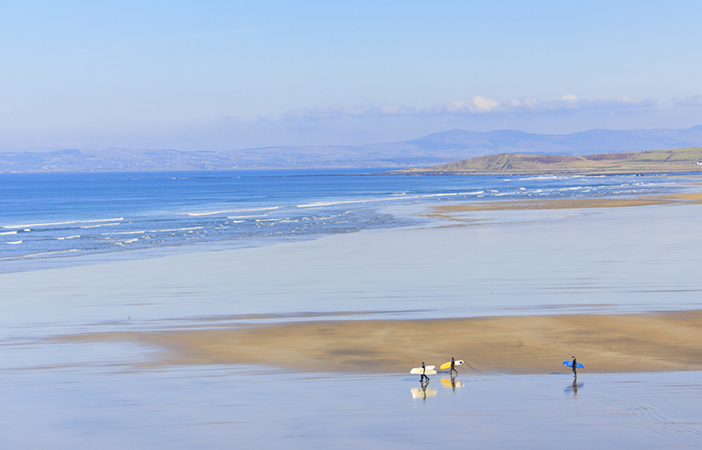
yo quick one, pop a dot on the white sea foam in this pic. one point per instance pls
(542, 177)
(170, 230)
(119, 233)
(247, 217)
(14, 242)
(50, 224)
(225, 211)
(8, 232)
(101, 225)
(128, 241)
(34, 255)
(371, 200)
(68, 237)
(323, 204)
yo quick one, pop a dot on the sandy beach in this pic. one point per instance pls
(520, 344)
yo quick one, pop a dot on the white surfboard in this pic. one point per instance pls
(418, 371)
(419, 393)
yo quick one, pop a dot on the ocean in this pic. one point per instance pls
(57, 219)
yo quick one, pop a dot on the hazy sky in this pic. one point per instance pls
(222, 75)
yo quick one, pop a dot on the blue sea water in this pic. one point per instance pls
(63, 216)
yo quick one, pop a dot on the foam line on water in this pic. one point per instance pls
(34, 255)
(225, 211)
(170, 230)
(101, 225)
(50, 224)
(374, 200)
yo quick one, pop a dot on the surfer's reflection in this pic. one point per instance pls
(422, 391)
(574, 387)
(452, 383)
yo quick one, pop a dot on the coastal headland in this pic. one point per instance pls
(645, 162)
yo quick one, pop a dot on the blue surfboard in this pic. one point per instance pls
(570, 364)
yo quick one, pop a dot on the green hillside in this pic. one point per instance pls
(655, 161)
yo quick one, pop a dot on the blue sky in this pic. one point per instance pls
(216, 75)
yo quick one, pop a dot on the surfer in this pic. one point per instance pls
(575, 367)
(423, 376)
(453, 366)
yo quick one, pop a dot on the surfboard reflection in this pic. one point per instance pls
(451, 383)
(423, 392)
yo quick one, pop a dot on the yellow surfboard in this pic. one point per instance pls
(447, 365)
(451, 384)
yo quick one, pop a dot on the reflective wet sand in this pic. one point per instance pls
(243, 407)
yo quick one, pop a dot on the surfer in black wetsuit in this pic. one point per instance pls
(423, 376)
(453, 367)
(575, 367)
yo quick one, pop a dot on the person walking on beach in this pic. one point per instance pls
(575, 367)
(453, 366)
(423, 376)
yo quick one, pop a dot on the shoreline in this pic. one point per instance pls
(432, 210)
(645, 342)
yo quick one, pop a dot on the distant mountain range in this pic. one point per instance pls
(431, 150)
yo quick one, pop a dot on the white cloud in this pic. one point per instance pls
(569, 102)
(341, 111)
(695, 100)
(477, 105)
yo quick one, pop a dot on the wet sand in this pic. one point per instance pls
(670, 341)
(581, 203)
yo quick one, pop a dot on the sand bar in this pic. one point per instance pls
(662, 341)
(570, 203)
